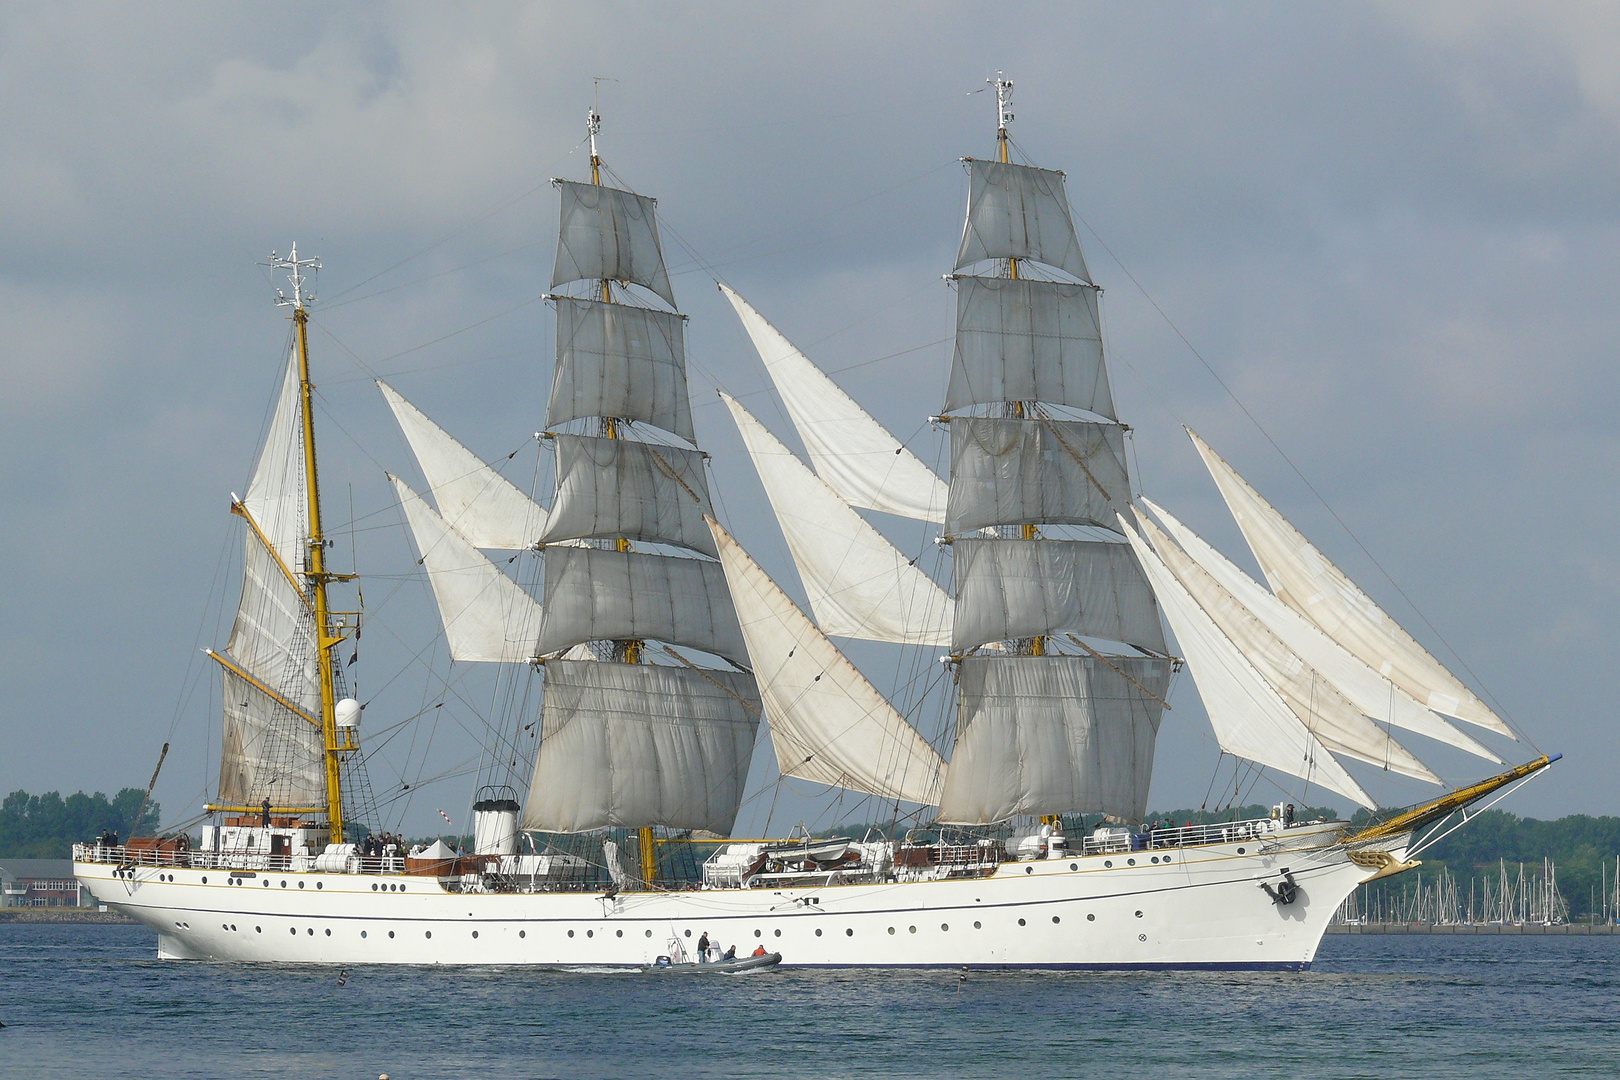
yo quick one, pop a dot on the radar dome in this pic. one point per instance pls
(347, 713)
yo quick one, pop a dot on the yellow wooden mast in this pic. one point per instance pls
(632, 649)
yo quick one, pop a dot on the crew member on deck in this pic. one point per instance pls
(266, 821)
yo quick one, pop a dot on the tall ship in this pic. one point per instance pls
(661, 648)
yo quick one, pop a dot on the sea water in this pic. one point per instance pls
(93, 1001)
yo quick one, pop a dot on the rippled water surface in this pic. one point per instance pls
(92, 1001)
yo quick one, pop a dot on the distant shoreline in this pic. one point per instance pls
(1477, 929)
(62, 915)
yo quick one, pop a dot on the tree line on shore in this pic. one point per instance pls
(47, 826)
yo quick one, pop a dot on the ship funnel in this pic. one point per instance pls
(495, 822)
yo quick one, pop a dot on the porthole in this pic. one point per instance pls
(1154, 860)
(913, 929)
(283, 884)
(1108, 863)
(590, 933)
(311, 931)
(402, 888)
(523, 933)
(978, 925)
(1091, 918)
(757, 934)
(258, 929)
(373, 886)
(329, 933)
(362, 933)
(1138, 914)
(267, 883)
(818, 932)
(849, 933)
(1074, 866)
(1130, 862)
(891, 930)
(618, 933)
(649, 933)
(1242, 851)
(688, 934)
(1141, 937)
(570, 933)
(318, 885)
(779, 933)
(1167, 858)
(429, 933)
(300, 884)
(233, 927)
(1029, 869)
(205, 879)
(292, 930)
(224, 926)
(945, 926)
(1020, 922)
(1056, 920)
(390, 933)
(475, 933)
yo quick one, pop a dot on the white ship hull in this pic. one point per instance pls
(1199, 907)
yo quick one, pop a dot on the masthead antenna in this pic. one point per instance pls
(593, 124)
(1004, 114)
(295, 268)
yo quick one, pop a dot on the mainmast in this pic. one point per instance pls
(314, 571)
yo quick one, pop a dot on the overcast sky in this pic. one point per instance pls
(1389, 229)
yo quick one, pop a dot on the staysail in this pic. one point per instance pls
(849, 449)
(828, 723)
(1304, 579)
(859, 584)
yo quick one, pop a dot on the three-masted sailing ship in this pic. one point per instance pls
(661, 646)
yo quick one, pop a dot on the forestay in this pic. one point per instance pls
(1019, 212)
(633, 745)
(605, 233)
(487, 617)
(849, 449)
(268, 751)
(1023, 340)
(1304, 579)
(1251, 720)
(828, 723)
(1318, 704)
(1024, 588)
(859, 584)
(621, 361)
(594, 594)
(1054, 735)
(1374, 695)
(1035, 471)
(481, 504)
(611, 488)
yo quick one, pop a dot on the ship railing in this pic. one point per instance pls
(124, 855)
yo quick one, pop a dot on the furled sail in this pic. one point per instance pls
(594, 594)
(1326, 712)
(487, 617)
(604, 234)
(480, 503)
(828, 723)
(635, 745)
(1024, 588)
(1251, 720)
(277, 496)
(1019, 212)
(1018, 339)
(859, 584)
(849, 449)
(612, 488)
(269, 750)
(1374, 695)
(1304, 579)
(1035, 471)
(1052, 735)
(622, 361)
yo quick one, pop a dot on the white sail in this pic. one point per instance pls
(1040, 471)
(1250, 719)
(828, 723)
(1023, 588)
(615, 488)
(1326, 712)
(487, 617)
(1374, 695)
(634, 745)
(859, 584)
(268, 750)
(594, 594)
(622, 361)
(277, 496)
(273, 635)
(479, 502)
(1019, 212)
(1054, 735)
(1018, 339)
(849, 449)
(605, 233)
(1304, 579)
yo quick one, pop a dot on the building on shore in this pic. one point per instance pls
(40, 883)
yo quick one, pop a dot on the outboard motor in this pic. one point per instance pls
(495, 822)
